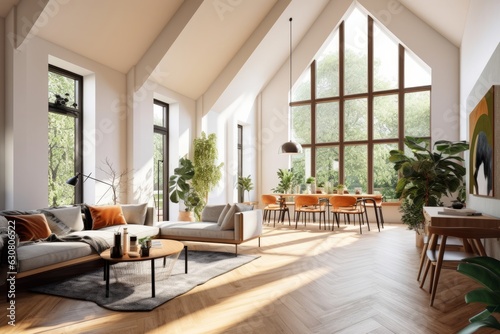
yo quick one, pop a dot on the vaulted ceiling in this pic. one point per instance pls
(119, 33)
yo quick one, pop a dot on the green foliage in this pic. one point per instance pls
(486, 271)
(427, 176)
(207, 173)
(285, 177)
(310, 180)
(179, 185)
(245, 184)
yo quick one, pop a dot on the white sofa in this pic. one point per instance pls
(34, 257)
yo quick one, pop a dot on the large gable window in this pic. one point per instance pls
(357, 101)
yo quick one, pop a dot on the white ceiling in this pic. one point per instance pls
(118, 33)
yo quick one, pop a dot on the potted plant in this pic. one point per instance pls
(245, 184)
(486, 271)
(286, 180)
(180, 189)
(207, 172)
(145, 244)
(311, 184)
(426, 176)
(340, 188)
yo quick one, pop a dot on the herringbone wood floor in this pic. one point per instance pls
(306, 281)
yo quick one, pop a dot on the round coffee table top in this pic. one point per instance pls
(168, 247)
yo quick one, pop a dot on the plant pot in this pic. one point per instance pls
(186, 216)
(419, 239)
(145, 251)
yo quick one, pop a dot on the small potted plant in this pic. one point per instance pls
(311, 184)
(245, 184)
(340, 189)
(145, 246)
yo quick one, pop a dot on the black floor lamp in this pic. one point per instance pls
(74, 180)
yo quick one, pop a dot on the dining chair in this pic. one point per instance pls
(376, 203)
(349, 206)
(307, 204)
(440, 257)
(274, 205)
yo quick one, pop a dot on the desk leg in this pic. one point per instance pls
(152, 278)
(106, 274)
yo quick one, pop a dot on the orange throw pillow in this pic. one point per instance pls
(106, 215)
(31, 227)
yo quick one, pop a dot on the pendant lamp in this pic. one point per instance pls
(290, 147)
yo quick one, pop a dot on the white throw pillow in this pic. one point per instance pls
(70, 216)
(135, 213)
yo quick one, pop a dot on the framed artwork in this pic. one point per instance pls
(484, 171)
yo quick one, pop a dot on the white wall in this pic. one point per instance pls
(27, 121)
(480, 69)
(431, 47)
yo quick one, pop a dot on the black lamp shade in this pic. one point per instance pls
(290, 147)
(73, 180)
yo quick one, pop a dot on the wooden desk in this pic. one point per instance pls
(434, 218)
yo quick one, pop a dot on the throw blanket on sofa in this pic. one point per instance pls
(97, 243)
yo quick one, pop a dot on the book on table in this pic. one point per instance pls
(459, 212)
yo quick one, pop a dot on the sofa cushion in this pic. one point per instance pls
(228, 223)
(211, 213)
(106, 215)
(223, 214)
(64, 220)
(186, 230)
(135, 213)
(30, 227)
(41, 254)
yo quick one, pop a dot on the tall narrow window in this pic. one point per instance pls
(65, 135)
(241, 193)
(369, 93)
(160, 158)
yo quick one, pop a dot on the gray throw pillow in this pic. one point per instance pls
(211, 213)
(228, 223)
(223, 214)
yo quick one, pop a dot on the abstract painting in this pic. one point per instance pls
(483, 170)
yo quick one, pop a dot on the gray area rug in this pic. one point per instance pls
(130, 283)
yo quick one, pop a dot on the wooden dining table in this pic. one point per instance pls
(374, 199)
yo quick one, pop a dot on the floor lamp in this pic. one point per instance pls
(74, 180)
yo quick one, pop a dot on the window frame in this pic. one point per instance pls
(164, 131)
(78, 114)
(401, 91)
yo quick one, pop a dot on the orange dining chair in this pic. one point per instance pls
(307, 204)
(440, 257)
(274, 205)
(349, 206)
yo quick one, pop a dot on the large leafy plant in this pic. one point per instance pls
(179, 185)
(486, 271)
(207, 172)
(426, 176)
